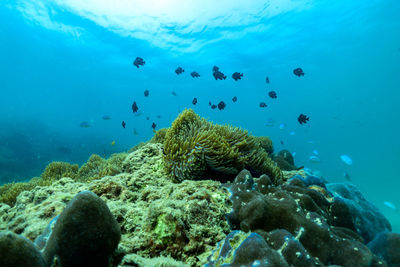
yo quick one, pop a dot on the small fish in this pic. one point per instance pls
(213, 106)
(263, 105)
(173, 93)
(137, 114)
(139, 62)
(315, 152)
(194, 74)
(194, 101)
(292, 133)
(272, 94)
(217, 74)
(158, 116)
(113, 143)
(282, 143)
(282, 126)
(221, 105)
(346, 159)
(303, 119)
(153, 125)
(106, 117)
(123, 124)
(237, 76)
(135, 132)
(179, 70)
(234, 99)
(298, 72)
(346, 176)
(147, 118)
(209, 103)
(314, 159)
(84, 124)
(146, 93)
(390, 205)
(267, 79)
(134, 107)
(294, 154)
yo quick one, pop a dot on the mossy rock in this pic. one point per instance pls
(195, 148)
(266, 144)
(285, 160)
(159, 136)
(97, 167)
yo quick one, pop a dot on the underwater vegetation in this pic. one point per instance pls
(195, 148)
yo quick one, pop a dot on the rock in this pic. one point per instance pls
(387, 246)
(85, 234)
(353, 211)
(18, 251)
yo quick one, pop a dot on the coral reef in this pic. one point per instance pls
(285, 160)
(58, 169)
(195, 148)
(266, 143)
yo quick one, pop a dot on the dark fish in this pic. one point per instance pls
(123, 124)
(221, 105)
(217, 74)
(195, 74)
(179, 70)
(237, 76)
(146, 93)
(209, 103)
(234, 99)
(267, 79)
(298, 72)
(282, 142)
(173, 93)
(134, 107)
(153, 125)
(346, 176)
(134, 131)
(106, 117)
(263, 105)
(213, 106)
(303, 118)
(84, 124)
(272, 94)
(139, 62)
(147, 118)
(158, 116)
(194, 101)
(64, 150)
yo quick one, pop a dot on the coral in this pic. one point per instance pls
(85, 234)
(387, 246)
(97, 167)
(285, 160)
(10, 192)
(266, 143)
(159, 136)
(195, 148)
(58, 169)
(16, 250)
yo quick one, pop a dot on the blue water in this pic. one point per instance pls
(64, 62)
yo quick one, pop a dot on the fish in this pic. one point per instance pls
(106, 117)
(213, 106)
(282, 143)
(294, 154)
(298, 72)
(390, 205)
(84, 124)
(303, 119)
(179, 70)
(139, 62)
(147, 118)
(292, 133)
(146, 93)
(267, 79)
(123, 124)
(194, 74)
(234, 99)
(135, 108)
(194, 101)
(217, 74)
(135, 131)
(209, 103)
(137, 114)
(346, 176)
(158, 116)
(272, 94)
(315, 152)
(153, 125)
(113, 143)
(263, 105)
(221, 105)
(346, 159)
(173, 93)
(282, 126)
(314, 159)
(237, 76)
(64, 150)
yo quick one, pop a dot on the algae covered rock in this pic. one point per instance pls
(195, 148)
(85, 234)
(58, 169)
(16, 250)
